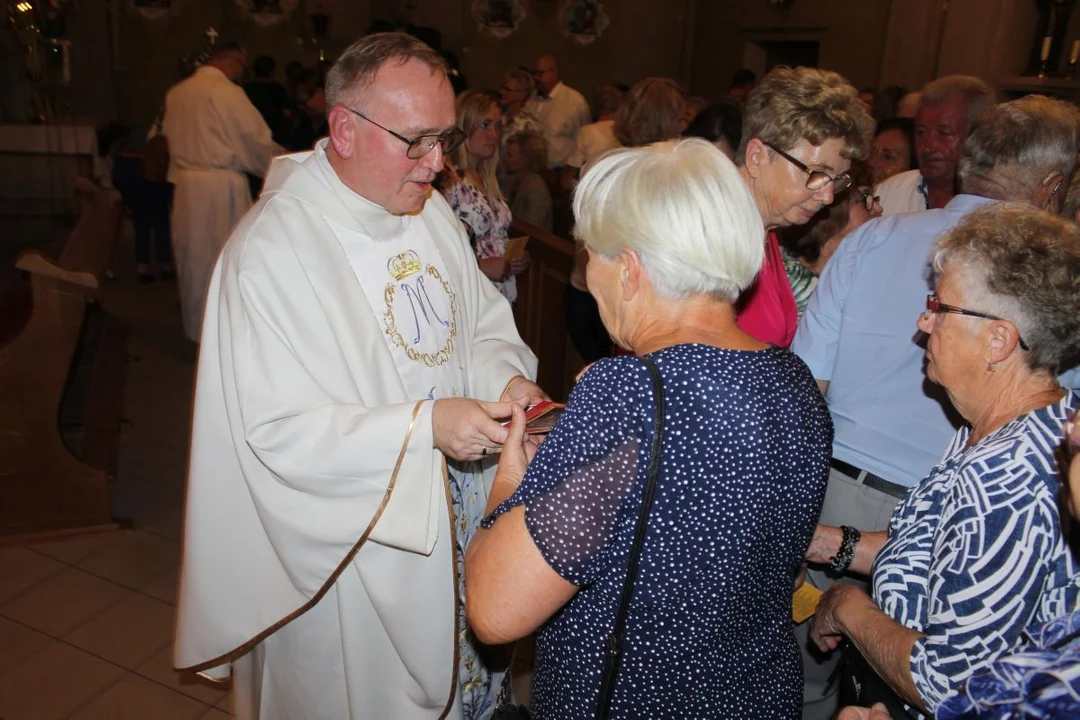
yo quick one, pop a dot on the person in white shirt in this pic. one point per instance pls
(594, 139)
(340, 432)
(562, 111)
(947, 108)
(215, 135)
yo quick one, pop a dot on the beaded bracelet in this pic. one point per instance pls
(842, 560)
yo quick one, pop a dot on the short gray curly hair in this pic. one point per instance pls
(1023, 264)
(793, 104)
(1015, 146)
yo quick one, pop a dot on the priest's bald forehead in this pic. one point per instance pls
(354, 72)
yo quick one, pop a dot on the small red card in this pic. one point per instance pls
(541, 417)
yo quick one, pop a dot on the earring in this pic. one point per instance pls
(990, 367)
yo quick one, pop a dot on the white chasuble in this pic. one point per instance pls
(319, 555)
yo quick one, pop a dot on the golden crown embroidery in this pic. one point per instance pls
(405, 269)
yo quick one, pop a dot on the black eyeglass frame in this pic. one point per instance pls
(840, 183)
(449, 140)
(934, 305)
(869, 198)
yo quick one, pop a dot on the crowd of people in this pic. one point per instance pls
(832, 339)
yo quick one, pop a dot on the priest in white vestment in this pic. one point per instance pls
(215, 135)
(348, 342)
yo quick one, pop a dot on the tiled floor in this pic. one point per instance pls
(86, 624)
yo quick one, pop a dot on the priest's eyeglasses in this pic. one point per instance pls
(933, 305)
(420, 145)
(815, 179)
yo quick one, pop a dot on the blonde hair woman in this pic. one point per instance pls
(473, 192)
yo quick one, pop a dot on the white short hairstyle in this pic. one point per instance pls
(683, 207)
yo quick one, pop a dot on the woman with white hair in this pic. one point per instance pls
(741, 452)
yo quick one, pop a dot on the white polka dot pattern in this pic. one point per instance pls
(742, 478)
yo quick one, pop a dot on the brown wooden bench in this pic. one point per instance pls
(540, 309)
(47, 488)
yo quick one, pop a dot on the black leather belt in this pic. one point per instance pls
(869, 479)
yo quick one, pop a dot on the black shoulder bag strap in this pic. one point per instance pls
(613, 643)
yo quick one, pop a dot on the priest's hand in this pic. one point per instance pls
(524, 392)
(467, 429)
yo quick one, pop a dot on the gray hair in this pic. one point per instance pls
(607, 99)
(352, 75)
(1072, 198)
(974, 92)
(1017, 146)
(525, 78)
(1022, 264)
(790, 105)
(683, 207)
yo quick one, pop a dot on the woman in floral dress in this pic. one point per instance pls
(470, 187)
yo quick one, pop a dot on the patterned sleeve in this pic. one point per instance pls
(1038, 681)
(989, 566)
(576, 488)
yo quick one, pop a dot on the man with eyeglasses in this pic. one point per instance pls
(858, 335)
(354, 369)
(215, 135)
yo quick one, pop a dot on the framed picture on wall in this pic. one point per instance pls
(583, 21)
(498, 18)
(154, 9)
(267, 12)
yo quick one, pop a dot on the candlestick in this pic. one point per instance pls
(1075, 54)
(1044, 55)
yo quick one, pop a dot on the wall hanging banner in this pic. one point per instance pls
(267, 12)
(155, 9)
(583, 21)
(499, 18)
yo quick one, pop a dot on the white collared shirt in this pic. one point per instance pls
(561, 114)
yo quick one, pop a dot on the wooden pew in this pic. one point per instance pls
(45, 489)
(540, 311)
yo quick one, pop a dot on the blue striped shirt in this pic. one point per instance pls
(975, 556)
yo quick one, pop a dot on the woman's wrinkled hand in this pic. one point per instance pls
(878, 712)
(517, 452)
(827, 632)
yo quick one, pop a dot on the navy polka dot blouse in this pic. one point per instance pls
(742, 478)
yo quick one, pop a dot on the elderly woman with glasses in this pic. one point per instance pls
(470, 186)
(807, 248)
(673, 236)
(802, 128)
(973, 560)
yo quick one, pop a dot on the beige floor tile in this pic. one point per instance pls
(74, 550)
(168, 523)
(21, 569)
(216, 714)
(53, 683)
(160, 669)
(135, 698)
(18, 642)
(226, 704)
(163, 588)
(63, 602)
(135, 560)
(129, 633)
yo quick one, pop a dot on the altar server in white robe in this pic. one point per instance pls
(348, 342)
(215, 135)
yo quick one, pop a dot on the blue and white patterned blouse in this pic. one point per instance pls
(742, 476)
(975, 556)
(1040, 681)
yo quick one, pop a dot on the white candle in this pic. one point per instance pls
(1075, 54)
(1045, 55)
